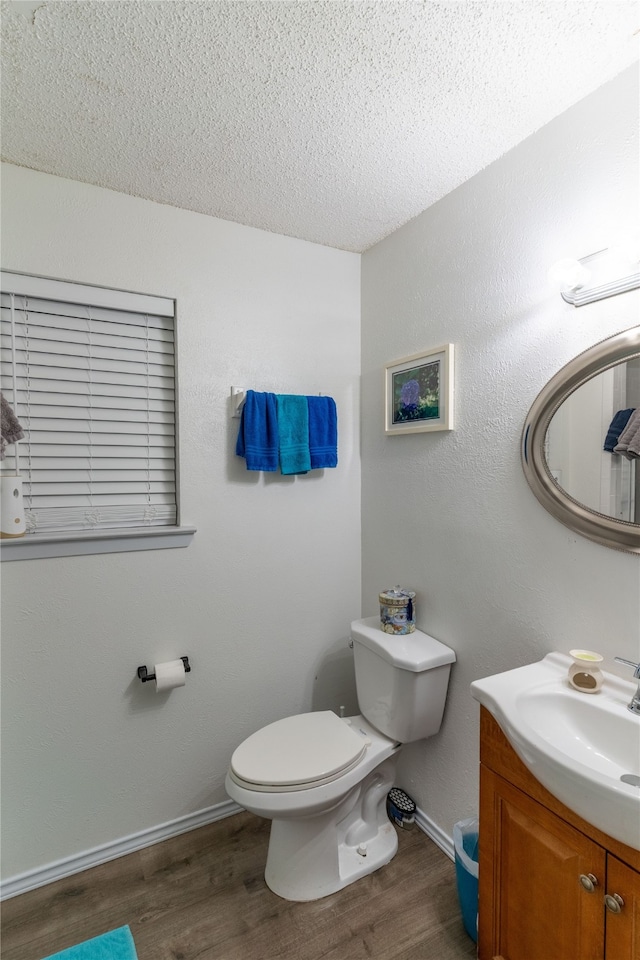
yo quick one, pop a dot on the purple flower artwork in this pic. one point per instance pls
(416, 393)
(410, 394)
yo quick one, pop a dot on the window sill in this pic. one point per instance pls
(38, 546)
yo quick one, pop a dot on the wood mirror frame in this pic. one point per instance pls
(611, 532)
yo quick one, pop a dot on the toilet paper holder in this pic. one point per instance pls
(144, 676)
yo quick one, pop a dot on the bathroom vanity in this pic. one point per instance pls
(551, 885)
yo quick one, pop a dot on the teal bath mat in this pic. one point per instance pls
(115, 945)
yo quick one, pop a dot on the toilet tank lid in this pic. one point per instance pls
(415, 651)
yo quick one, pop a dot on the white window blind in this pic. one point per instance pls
(95, 395)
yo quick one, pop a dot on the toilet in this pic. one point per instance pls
(323, 780)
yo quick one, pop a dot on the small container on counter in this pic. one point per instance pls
(584, 673)
(397, 611)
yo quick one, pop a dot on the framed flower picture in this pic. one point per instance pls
(419, 392)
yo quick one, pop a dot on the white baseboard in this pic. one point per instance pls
(435, 833)
(39, 877)
(114, 849)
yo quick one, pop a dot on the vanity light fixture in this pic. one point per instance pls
(593, 277)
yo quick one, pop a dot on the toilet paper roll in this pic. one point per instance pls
(169, 675)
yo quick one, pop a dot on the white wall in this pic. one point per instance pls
(263, 598)
(575, 451)
(451, 515)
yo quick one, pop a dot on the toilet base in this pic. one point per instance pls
(315, 856)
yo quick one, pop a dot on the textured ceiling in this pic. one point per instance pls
(335, 122)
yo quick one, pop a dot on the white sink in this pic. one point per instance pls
(577, 745)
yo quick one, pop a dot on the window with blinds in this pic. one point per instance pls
(90, 375)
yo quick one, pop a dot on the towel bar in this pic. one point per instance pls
(238, 395)
(237, 401)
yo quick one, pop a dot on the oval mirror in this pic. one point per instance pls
(587, 409)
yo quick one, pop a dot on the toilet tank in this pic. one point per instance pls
(401, 680)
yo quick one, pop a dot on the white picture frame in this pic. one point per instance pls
(419, 392)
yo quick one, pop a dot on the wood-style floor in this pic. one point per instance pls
(202, 896)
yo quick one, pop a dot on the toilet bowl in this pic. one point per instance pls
(323, 780)
(327, 831)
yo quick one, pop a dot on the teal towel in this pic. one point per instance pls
(115, 945)
(293, 431)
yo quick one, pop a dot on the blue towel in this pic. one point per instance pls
(258, 434)
(115, 945)
(616, 427)
(323, 432)
(293, 428)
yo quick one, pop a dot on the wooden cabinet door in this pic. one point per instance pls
(622, 939)
(532, 904)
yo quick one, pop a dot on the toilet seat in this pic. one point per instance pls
(298, 753)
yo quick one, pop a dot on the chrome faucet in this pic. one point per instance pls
(634, 706)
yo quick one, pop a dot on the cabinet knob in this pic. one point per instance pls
(588, 881)
(613, 902)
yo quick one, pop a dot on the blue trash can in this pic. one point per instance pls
(465, 842)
